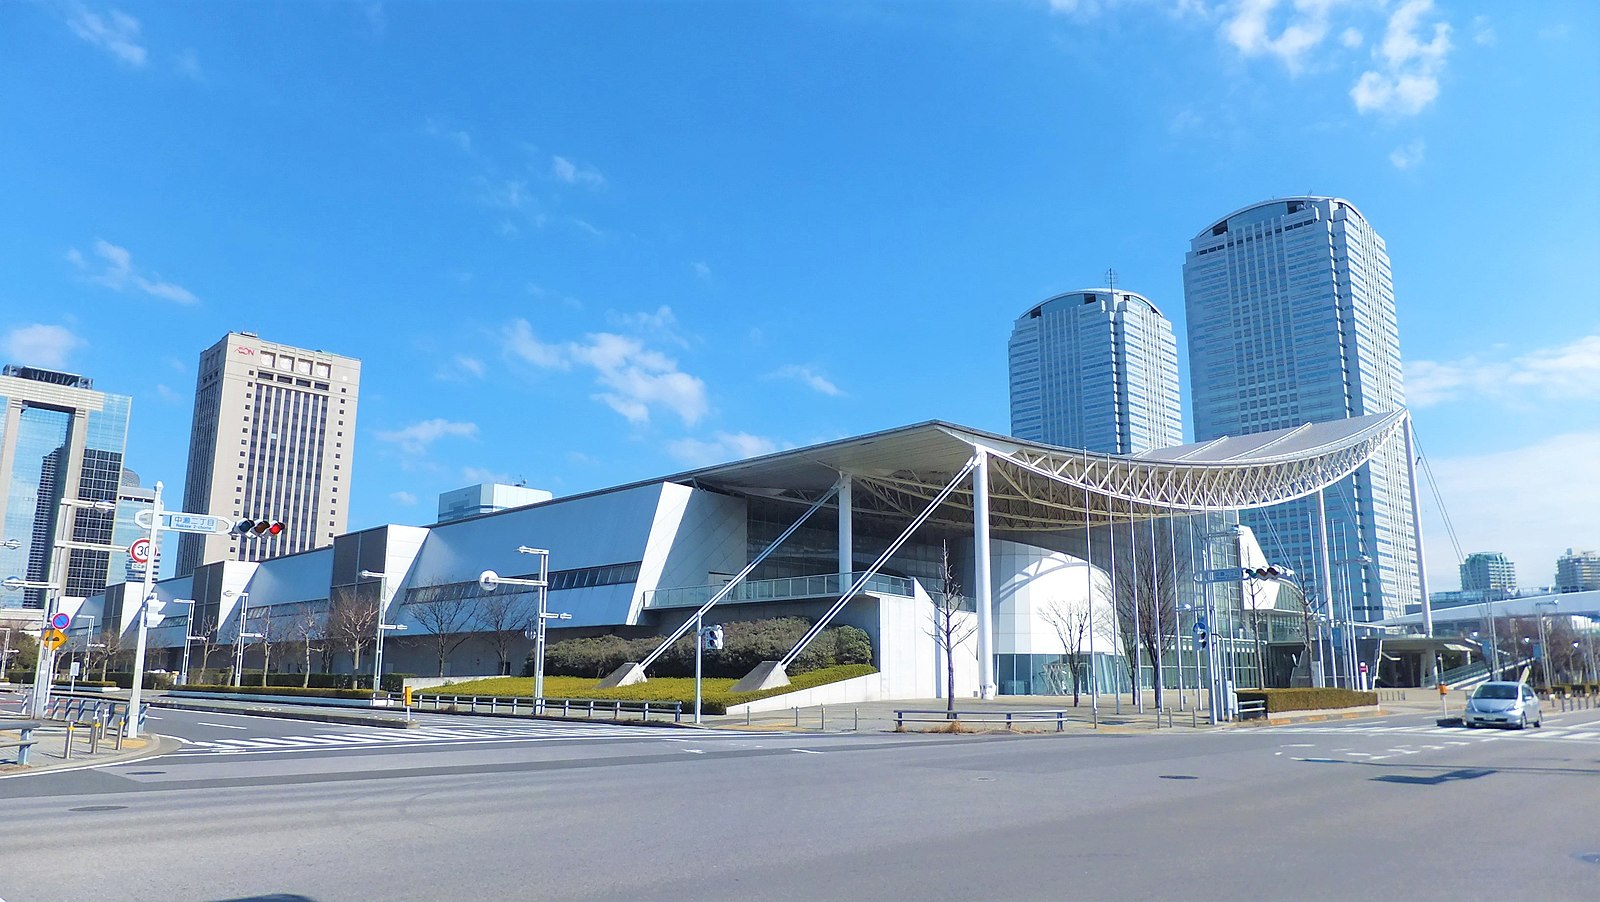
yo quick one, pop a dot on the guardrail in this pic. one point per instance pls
(26, 742)
(1009, 718)
(554, 707)
(102, 713)
(1252, 708)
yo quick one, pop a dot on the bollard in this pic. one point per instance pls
(797, 718)
(94, 738)
(1094, 715)
(66, 754)
(1194, 717)
(824, 715)
(747, 715)
(857, 727)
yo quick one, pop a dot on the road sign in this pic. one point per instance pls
(144, 519)
(75, 671)
(140, 551)
(1200, 627)
(1363, 666)
(60, 619)
(53, 639)
(204, 523)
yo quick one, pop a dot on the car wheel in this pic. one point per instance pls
(1523, 723)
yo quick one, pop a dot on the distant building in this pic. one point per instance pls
(487, 498)
(131, 499)
(273, 435)
(1489, 572)
(1095, 369)
(1578, 571)
(59, 440)
(1291, 320)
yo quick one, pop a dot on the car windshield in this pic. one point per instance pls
(1495, 692)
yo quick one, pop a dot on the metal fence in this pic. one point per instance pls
(603, 708)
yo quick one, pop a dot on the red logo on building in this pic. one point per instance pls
(243, 350)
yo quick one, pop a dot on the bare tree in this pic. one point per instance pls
(445, 621)
(1146, 597)
(110, 645)
(353, 619)
(505, 617)
(308, 626)
(1072, 623)
(950, 629)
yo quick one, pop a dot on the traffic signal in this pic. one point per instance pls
(1267, 572)
(714, 637)
(1202, 638)
(257, 529)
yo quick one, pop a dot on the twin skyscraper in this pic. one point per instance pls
(1291, 320)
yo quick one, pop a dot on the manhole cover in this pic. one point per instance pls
(1178, 777)
(99, 808)
(1590, 857)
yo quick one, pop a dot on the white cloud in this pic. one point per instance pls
(1406, 79)
(1409, 155)
(404, 498)
(461, 368)
(188, 65)
(809, 377)
(576, 173)
(1250, 30)
(40, 345)
(117, 272)
(1482, 32)
(115, 32)
(1527, 502)
(635, 378)
(415, 438)
(483, 474)
(1569, 372)
(701, 270)
(721, 447)
(1351, 38)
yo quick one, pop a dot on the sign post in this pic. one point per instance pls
(147, 590)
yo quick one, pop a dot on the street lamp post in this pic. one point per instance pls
(1544, 641)
(240, 635)
(489, 580)
(188, 638)
(377, 645)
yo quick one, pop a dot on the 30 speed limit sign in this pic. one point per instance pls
(140, 551)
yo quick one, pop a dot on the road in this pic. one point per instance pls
(252, 808)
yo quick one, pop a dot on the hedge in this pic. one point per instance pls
(85, 684)
(1308, 699)
(152, 679)
(391, 681)
(745, 645)
(279, 690)
(715, 694)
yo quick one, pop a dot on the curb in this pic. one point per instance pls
(354, 720)
(155, 746)
(1317, 718)
(558, 718)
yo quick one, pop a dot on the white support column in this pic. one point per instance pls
(847, 537)
(1416, 532)
(982, 594)
(1325, 581)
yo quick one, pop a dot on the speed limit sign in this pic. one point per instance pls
(140, 551)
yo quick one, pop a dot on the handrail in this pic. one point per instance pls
(902, 716)
(516, 704)
(779, 589)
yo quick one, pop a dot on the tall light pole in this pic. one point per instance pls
(489, 580)
(377, 645)
(240, 635)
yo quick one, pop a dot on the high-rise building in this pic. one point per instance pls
(274, 428)
(1095, 369)
(1291, 320)
(131, 499)
(60, 442)
(1489, 572)
(1578, 571)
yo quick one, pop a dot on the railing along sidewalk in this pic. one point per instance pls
(903, 716)
(564, 707)
(25, 743)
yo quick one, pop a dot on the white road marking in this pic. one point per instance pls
(224, 726)
(806, 751)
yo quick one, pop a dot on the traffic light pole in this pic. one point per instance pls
(137, 688)
(699, 646)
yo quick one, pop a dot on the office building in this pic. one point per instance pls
(273, 435)
(1490, 573)
(1095, 369)
(61, 447)
(131, 499)
(1291, 320)
(1578, 571)
(486, 498)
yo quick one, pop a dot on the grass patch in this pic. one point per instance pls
(716, 692)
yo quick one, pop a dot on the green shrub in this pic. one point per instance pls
(1308, 698)
(86, 684)
(745, 645)
(124, 679)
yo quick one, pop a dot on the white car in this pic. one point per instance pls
(1503, 704)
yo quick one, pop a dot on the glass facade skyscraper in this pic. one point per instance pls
(1095, 369)
(1291, 320)
(59, 440)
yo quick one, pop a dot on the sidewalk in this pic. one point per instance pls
(50, 754)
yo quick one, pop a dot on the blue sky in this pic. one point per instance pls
(581, 244)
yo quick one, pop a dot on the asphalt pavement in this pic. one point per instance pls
(252, 808)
